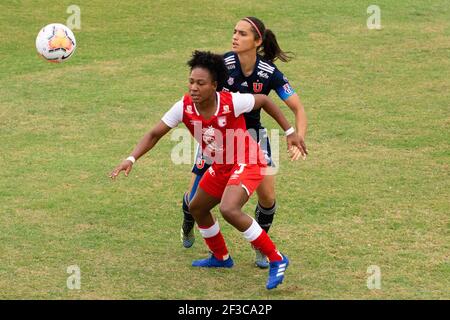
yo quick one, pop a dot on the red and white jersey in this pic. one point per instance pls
(223, 137)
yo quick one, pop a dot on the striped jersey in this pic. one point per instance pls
(264, 78)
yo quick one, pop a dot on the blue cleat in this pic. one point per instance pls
(213, 262)
(276, 272)
(261, 260)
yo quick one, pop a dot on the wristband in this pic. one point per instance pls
(132, 159)
(289, 131)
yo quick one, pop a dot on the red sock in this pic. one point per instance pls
(261, 241)
(264, 244)
(215, 241)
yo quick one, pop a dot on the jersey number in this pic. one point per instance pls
(241, 169)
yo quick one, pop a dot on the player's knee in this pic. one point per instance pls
(194, 209)
(266, 201)
(229, 211)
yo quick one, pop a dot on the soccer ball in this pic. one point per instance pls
(55, 42)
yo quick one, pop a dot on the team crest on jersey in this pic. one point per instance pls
(189, 109)
(209, 138)
(222, 121)
(257, 87)
(230, 81)
(208, 135)
(226, 109)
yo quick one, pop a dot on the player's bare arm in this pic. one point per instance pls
(147, 142)
(296, 106)
(293, 140)
(301, 122)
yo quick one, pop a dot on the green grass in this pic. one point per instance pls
(374, 190)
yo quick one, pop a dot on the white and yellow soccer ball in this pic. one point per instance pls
(56, 42)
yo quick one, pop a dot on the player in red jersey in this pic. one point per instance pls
(251, 69)
(216, 121)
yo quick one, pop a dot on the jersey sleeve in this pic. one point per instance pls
(174, 116)
(281, 85)
(242, 102)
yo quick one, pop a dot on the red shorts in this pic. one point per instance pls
(218, 177)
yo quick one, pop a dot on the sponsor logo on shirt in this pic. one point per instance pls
(287, 88)
(244, 84)
(226, 109)
(262, 74)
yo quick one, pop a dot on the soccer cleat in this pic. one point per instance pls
(187, 233)
(276, 272)
(213, 262)
(261, 260)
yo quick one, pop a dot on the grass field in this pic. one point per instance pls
(374, 190)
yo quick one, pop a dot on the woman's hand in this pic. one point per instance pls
(296, 147)
(126, 166)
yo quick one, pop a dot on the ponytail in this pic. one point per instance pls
(269, 48)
